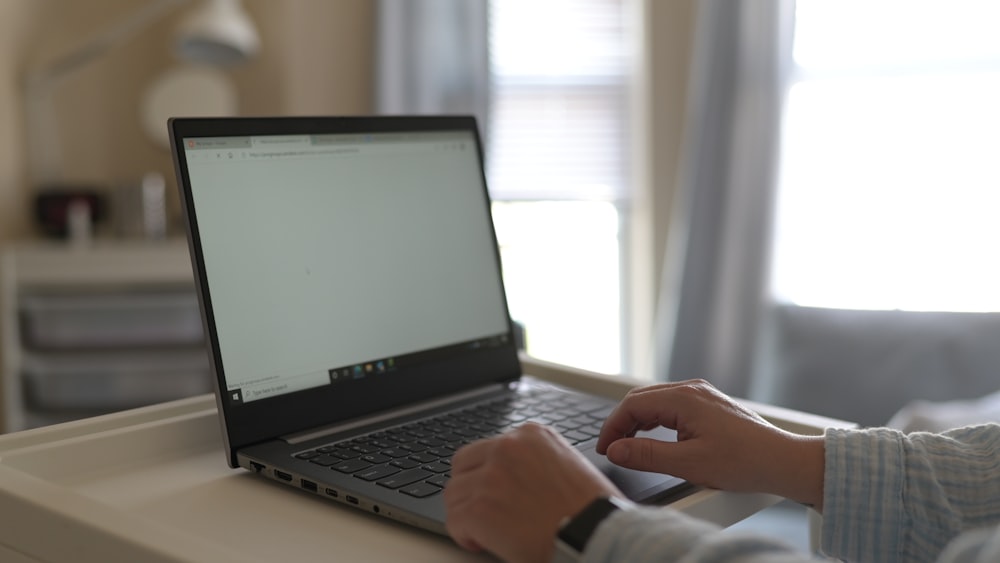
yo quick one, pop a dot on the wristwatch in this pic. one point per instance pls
(575, 531)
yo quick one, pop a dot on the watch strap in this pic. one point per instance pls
(576, 531)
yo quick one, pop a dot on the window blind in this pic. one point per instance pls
(558, 100)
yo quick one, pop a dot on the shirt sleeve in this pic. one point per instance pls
(661, 534)
(895, 497)
(648, 535)
(887, 497)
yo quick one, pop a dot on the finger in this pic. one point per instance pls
(642, 409)
(458, 529)
(460, 537)
(539, 433)
(471, 455)
(646, 454)
(458, 497)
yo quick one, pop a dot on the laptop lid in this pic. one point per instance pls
(344, 266)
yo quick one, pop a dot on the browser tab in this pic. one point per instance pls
(216, 143)
(273, 141)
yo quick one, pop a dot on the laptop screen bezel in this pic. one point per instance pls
(252, 422)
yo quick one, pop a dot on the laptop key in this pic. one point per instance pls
(405, 463)
(599, 411)
(326, 460)
(438, 467)
(351, 465)
(376, 458)
(377, 472)
(440, 480)
(405, 478)
(413, 447)
(421, 490)
(345, 453)
(576, 436)
(539, 419)
(424, 457)
(566, 425)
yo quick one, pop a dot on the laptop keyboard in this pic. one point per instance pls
(415, 458)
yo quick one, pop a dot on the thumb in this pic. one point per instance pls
(645, 454)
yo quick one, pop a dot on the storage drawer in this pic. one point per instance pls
(113, 381)
(103, 320)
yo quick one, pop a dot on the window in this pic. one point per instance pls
(889, 185)
(556, 166)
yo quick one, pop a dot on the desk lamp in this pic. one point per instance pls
(216, 33)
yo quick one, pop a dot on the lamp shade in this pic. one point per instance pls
(219, 32)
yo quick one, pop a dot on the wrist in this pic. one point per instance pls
(801, 472)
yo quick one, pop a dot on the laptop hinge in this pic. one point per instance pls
(299, 437)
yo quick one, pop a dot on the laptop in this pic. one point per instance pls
(350, 286)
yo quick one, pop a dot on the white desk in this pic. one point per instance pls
(152, 484)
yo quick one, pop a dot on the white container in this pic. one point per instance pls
(107, 381)
(110, 320)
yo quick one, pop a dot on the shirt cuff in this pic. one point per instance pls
(645, 534)
(862, 494)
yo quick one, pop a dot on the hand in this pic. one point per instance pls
(508, 494)
(720, 443)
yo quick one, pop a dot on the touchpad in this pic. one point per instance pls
(640, 486)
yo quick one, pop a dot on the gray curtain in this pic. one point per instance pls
(432, 57)
(715, 320)
(715, 268)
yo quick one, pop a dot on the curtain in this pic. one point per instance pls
(715, 318)
(432, 57)
(716, 263)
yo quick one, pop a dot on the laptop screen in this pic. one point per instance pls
(337, 258)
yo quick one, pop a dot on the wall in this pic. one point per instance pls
(315, 59)
(16, 17)
(666, 35)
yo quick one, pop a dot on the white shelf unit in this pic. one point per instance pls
(93, 329)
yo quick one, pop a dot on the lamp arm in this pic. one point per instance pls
(44, 160)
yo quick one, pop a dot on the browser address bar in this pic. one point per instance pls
(300, 153)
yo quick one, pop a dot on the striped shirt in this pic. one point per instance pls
(887, 497)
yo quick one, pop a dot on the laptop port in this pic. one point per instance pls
(308, 485)
(352, 500)
(257, 467)
(282, 475)
(332, 492)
